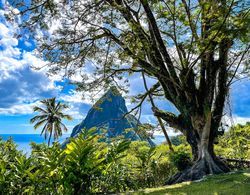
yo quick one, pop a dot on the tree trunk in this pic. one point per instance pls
(206, 162)
(190, 137)
(49, 138)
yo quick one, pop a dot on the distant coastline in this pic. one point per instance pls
(23, 140)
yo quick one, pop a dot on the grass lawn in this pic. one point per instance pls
(227, 184)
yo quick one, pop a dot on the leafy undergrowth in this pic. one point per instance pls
(229, 184)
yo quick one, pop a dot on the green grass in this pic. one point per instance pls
(225, 184)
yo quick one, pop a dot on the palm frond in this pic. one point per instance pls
(65, 129)
(40, 123)
(65, 116)
(39, 109)
(57, 129)
(38, 118)
(44, 129)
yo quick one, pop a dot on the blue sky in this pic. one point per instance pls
(21, 87)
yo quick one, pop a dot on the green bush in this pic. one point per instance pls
(181, 160)
(235, 143)
(87, 165)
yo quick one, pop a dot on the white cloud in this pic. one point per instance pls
(74, 112)
(4, 31)
(9, 53)
(18, 109)
(27, 44)
(72, 97)
(20, 86)
(234, 120)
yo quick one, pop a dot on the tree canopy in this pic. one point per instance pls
(193, 49)
(183, 43)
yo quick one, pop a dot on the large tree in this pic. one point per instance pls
(193, 49)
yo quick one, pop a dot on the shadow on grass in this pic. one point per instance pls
(225, 184)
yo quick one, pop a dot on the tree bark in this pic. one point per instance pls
(190, 137)
(206, 162)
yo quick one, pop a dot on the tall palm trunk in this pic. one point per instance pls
(50, 135)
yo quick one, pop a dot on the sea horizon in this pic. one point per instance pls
(23, 140)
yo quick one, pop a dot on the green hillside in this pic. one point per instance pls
(229, 184)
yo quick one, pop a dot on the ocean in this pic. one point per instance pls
(23, 140)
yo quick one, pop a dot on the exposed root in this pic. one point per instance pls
(201, 168)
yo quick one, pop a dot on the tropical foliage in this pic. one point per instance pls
(88, 165)
(50, 117)
(235, 143)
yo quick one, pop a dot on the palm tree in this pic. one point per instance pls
(50, 115)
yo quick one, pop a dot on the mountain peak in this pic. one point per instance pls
(111, 103)
(114, 91)
(109, 113)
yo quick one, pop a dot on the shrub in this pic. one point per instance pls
(87, 165)
(181, 160)
(235, 143)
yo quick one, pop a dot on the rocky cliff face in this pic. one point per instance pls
(108, 113)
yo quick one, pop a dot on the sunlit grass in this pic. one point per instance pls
(225, 184)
